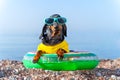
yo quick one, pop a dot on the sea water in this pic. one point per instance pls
(15, 47)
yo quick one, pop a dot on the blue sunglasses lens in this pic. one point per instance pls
(49, 20)
(61, 20)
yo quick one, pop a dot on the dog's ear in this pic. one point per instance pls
(65, 30)
(43, 31)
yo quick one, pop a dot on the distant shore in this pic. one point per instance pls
(14, 70)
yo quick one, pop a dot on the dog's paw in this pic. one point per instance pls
(35, 61)
(60, 53)
(37, 57)
(60, 58)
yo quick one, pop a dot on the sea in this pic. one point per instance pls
(15, 47)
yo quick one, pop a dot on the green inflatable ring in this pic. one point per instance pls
(71, 61)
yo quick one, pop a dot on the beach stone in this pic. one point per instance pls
(58, 73)
(62, 78)
(46, 71)
(118, 78)
(8, 68)
(2, 68)
(113, 77)
(12, 78)
(117, 71)
(16, 71)
(28, 78)
(47, 78)
(72, 79)
(0, 64)
(98, 74)
(2, 74)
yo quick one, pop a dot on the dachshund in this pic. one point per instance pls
(53, 38)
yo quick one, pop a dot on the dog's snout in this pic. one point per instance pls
(55, 24)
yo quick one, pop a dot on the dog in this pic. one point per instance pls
(53, 38)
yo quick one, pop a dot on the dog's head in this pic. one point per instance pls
(54, 30)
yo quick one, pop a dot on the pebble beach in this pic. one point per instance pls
(14, 70)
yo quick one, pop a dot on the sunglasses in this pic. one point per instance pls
(59, 20)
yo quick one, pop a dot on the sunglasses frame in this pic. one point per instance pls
(56, 20)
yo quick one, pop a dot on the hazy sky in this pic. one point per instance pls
(95, 24)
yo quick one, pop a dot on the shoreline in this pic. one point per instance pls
(108, 69)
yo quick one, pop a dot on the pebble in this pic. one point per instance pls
(14, 70)
(98, 74)
(118, 78)
(2, 74)
(113, 77)
(117, 72)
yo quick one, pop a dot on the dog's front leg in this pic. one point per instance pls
(60, 52)
(37, 56)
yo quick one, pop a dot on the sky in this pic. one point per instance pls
(92, 24)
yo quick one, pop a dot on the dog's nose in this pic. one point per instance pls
(55, 24)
